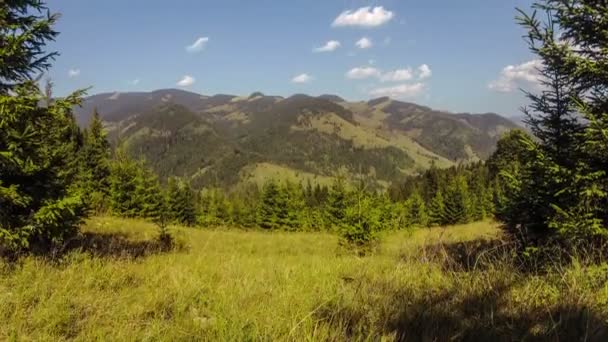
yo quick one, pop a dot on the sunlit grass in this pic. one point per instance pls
(230, 284)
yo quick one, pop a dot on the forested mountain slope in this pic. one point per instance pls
(224, 139)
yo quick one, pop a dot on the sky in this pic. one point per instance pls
(459, 56)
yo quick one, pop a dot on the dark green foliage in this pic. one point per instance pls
(25, 28)
(39, 139)
(123, 183)
(215, 208)
(556, 190)
(415, 211)
(38, 149)
(281, 206)
(95, 165)
(134, 189)
(337, 203)
(436, 210)
(449, 196)
(181, 202)
(458, 206)
(361, 224)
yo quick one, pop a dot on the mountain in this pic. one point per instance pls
(225, 140)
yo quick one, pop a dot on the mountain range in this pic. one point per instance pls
(225, 140)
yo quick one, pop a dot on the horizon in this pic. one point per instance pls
(244, 96)
(358, 50)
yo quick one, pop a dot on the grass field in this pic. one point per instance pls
(228, 284)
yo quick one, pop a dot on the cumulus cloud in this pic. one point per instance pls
(186, 81)
(360, 73)
(515, 76)
(364, 17)
(302, 78)
(364, 43)
(73, 73)
(198, 44)
(328, 47)
(397, 75)
(400, 91)
(424, 71)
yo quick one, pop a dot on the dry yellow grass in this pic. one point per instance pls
(229, 284)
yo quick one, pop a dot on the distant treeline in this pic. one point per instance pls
(128, 188)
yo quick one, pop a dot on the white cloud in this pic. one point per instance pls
(364, 17)
(397, 75)
(400, 91)
(364, 43)
(329, 46)
(198, 44)
(302, 78)
(186, 81)
(515, 76)
(134, 82)
(73, 73)
(424, 71)
(360, 73)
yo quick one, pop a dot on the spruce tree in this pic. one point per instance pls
(457, 201)
(123, 176)
(148, 196)
(416, 215)
(95, 164)
(436, 210)
(337, 203)
(180, 202)
(271, 201)
(559, 191)
(27, 26)
(39, 139)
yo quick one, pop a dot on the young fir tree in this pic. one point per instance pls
(39, 139)
(436, 210)
(416, 215)
(361, 224)
(457, 201)
(95, 164)
(123, 185)
(336, 204)
(294, 216)
(271, 204)
(148, 196)
(180, 202)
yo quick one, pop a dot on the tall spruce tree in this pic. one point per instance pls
(560, 191)
(39, 139)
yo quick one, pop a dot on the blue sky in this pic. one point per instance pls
(464, 56)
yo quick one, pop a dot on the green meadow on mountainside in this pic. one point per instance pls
(225, 285)
(172, 216)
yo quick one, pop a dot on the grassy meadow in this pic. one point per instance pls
(454, 283)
